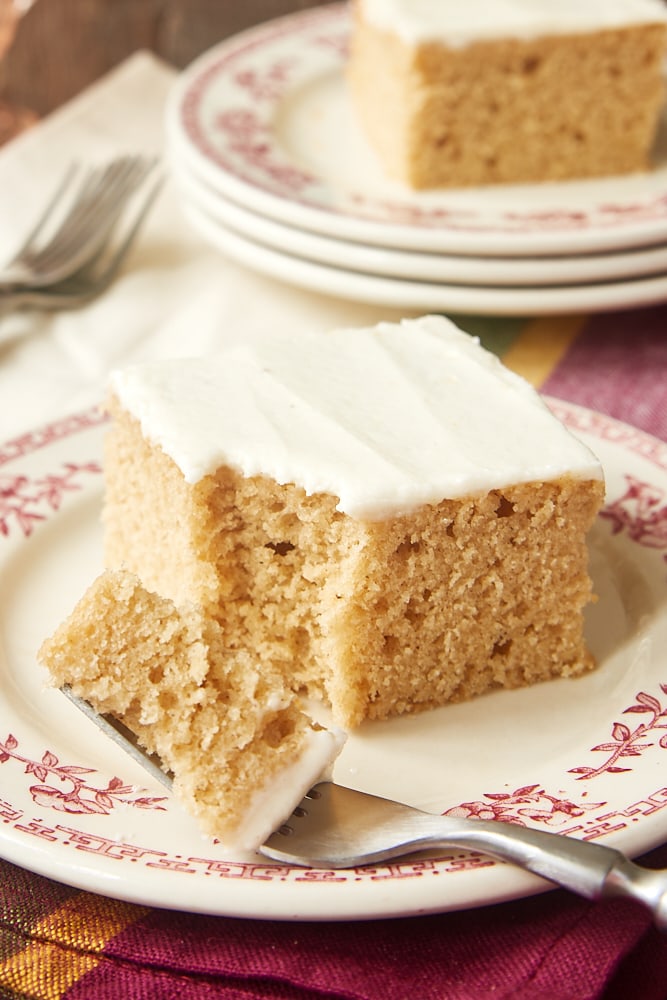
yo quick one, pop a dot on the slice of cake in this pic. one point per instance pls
(388, 515)
(481, 92)
(241, 752)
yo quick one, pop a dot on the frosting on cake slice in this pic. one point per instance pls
(459, 24)
(385, 419)
(387, 515)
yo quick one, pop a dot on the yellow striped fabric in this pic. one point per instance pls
(540, 345)
(65, 944)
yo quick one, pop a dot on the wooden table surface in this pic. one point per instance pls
(61, 46)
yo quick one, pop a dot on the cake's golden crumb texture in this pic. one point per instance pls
(512, 110)
(382, 617)
(223, 727)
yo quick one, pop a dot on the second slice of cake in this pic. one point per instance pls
(454, 93)
(388, 515)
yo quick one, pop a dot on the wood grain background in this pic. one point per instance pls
(63, 45)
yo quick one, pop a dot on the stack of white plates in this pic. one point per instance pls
(274, 171)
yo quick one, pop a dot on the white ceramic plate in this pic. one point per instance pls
(414, 265)
(583, 757)
(265, 118)
(426, 296)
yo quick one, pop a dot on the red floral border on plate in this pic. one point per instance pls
(594, 827)
(26, 502)
(607, 428)
(58, 430)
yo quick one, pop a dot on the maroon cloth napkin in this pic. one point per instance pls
(618, 365)
(548, 947)
(551, 948)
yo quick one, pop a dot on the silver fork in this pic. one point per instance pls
(96, 275)
(56, 249)
(336, 827)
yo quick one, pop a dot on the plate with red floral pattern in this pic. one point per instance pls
(585, 758)
(265, 119)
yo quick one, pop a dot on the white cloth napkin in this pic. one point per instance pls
(176, 296)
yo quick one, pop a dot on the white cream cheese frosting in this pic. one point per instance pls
(461, 22)
(386, 418)
(274, 802)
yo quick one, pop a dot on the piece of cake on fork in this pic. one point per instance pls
(241, 751)
(455, 93)
(388, 516)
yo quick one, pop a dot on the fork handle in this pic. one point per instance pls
(589, 869)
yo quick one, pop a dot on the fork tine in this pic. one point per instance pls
(90, 188)
(88, 225)
(122, 736)
(27, 251)
(119, 254)
(97, 205)
(104, 266)
(91, 280)
(113, 195)
(47, 212)
(99, 190)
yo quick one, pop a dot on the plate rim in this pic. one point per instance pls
(424, 296)
(418, 265)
